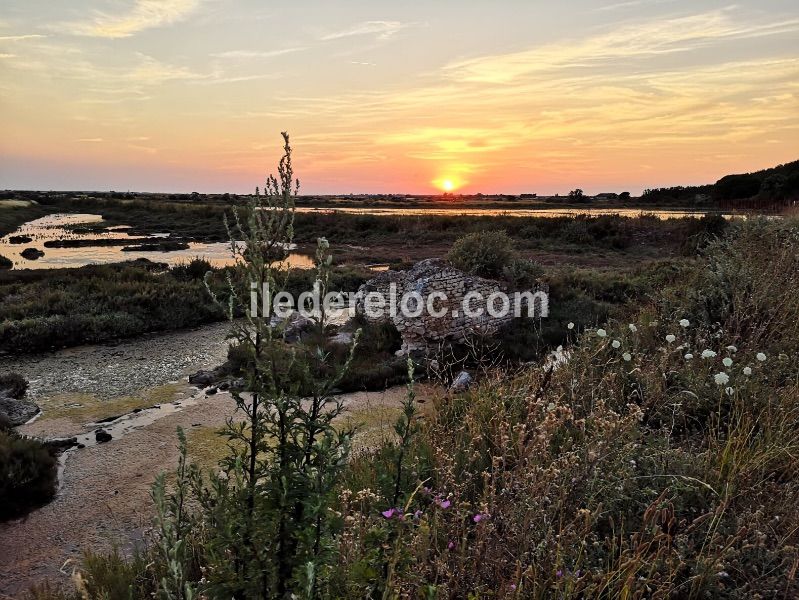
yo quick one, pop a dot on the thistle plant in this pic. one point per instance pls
(266, 517)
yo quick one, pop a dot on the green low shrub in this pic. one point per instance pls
(28, 475)
(483, 253)
(13, 385)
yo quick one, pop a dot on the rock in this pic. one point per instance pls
(203, 378)
(20, 239)
(18, 412)
(292, 326)
(452, 288)
(342, 338)
(60, 444)
(461, 382)
(224, 386)
(102, 436)
(31, 253)
(211, 391)
(108, 419)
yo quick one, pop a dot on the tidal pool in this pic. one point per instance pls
(63, 227)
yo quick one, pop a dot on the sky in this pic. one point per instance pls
(501, 96)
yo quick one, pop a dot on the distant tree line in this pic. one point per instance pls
(770, 187)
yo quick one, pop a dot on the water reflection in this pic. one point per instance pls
(512, 212)
(79, 227)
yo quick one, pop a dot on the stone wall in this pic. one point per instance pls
(435, 276)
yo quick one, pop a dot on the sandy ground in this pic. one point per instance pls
(104, 500)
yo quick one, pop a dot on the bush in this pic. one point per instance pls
(522, 273)
(194, 270)
(13, 385)
(42, 310)
(28, 475)
(5, 263)
(483, 253)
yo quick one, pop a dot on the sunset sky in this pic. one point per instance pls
(386, 96)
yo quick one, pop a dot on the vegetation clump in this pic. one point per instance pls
(492, 254)
(28, 474)
(13, 385)
(483, 253)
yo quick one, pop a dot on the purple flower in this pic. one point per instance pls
(417, 514)
(391, 512)
(479, 517)
(559, 574)
(426, 491)
(451, 545)
(443, 503)
(513, 587)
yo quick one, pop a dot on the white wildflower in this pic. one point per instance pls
(761, 357)
(670, 338)
(721, 378)
(616, 344)
(747, 371)
(684, 322)
(632, 327)
(708, 354)
(732, 349)
(626, 356)
(689, 356)
(727, 362)
(570, 325)
(730, 391)
(601, 333)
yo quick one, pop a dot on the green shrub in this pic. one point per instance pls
(522, 273)
(28, 475)
(483, 253)
(13, 385)
(193, 270)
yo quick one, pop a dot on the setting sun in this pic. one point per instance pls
(448, 184)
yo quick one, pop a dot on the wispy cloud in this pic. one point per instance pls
(631, 4)
(18, 38)
(145, 14)
(235, 54)
(90, 140)
(651, 38)
(145, 149)
(7, 55)
(383, 30)
(220, 78)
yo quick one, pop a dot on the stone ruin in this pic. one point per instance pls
(422, 332)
